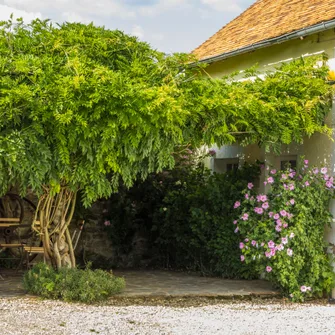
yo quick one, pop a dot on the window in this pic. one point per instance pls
(288, 164)
(222, 165)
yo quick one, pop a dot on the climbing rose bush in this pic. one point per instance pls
(283, 231)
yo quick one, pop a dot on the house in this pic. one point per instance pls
(268, 33)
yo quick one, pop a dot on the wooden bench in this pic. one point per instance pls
(31, 250)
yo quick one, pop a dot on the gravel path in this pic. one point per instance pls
(35, 317)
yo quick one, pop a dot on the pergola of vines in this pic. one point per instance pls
(83, 108)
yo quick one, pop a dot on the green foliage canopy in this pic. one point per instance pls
(85, 107)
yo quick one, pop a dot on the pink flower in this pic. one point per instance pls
(246, 240)
(284, 176)
(306, 183)
(285, 225)
(265, 183)
(236, 230)
(262, 244)
(245, 217)
(303, 288)
(284, 240)
(268, 269)
(271, 214)
(276, 216)
(253, 242)
(291, 187)
(247, 196)
(292, 201)
(329, 184)
(285, 187)
(107, 223)
(237, 204)
(241, 245)
(290, 216)
(270, 180)
(324, 170)
(242, 258)
(273, 171)
(306, 162)
(265, 205)
(250, 186)
(283, 213)
(290, 252)
(291, 175)
(235, 222)
(280, 247)
(258, 210)
(326, 177)
(271, 244)
(278, 229)
(273, 252)
(292, 235)
(267, 254)
(212, 152)
(315, 171)
(279, 222)
(308, 288)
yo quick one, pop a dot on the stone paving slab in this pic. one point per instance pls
(158, 284)
(142, 284)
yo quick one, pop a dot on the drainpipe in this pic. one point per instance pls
(317, 28)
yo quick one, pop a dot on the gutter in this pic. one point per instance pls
(317, 28)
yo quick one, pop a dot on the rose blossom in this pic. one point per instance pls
(268, 269)
(107, 223)
(315, 171)
(259, 210)
(285, 225)
(247, 196)
(273, 171)
(262, 244)
(241, 245)
(245, 217)
(271, 244)
(290, 252)
(265, 205)
(273, 252)
(292, 235)
(324, 170)
(250, 186)
(306, 162)
(283, 176)
(246, 240)
(235, 222)
(279, 222)
(271, 214)
(267, 254)
(236, 230)
(292, 201)
(329, 184)
(237, 204)
(280, 247)
(284, 240)
(278, 229)
(253, 242)
(291, 187)
(283, 212)
(242, 258)
(276, 216)
(306, 183)
(270, 180)
(303, 288)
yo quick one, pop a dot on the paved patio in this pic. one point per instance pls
(158, 284)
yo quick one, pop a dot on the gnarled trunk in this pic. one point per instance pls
(52, 219)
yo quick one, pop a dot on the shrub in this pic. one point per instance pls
(194, 222)
(282, 232)
(71, 284)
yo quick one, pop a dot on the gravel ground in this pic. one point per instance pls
(35, 317)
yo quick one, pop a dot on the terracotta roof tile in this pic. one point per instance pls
(266, 19)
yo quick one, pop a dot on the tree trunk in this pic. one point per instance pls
(52, 219)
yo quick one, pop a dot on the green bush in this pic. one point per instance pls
(282, 232)
(187, 216)
(67, 284)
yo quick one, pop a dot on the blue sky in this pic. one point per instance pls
(168, 25)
